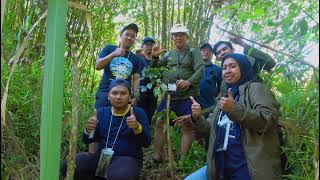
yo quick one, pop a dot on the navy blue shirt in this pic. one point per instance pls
(233, 159)
(119, 67)
(210, 85)
(127, 143)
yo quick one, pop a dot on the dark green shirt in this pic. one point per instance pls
(187, 66)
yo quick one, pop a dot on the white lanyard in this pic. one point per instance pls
(114, 142)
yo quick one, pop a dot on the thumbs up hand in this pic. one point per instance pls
(92, 122)
(195, 108)
(226, 103)
(132, 120)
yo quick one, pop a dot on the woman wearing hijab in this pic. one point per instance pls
(243, 128)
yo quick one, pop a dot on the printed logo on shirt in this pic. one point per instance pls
(121, 67)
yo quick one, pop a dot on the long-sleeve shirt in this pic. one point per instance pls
(127, 143)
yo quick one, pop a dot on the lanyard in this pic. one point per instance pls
(117, 132)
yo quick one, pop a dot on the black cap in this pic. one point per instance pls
(206, 45)
(148, 39)
(132, 26)
(118, 82)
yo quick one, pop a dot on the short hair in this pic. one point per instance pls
(227, 43)
(206, 45)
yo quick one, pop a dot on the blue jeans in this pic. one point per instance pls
(200, 174)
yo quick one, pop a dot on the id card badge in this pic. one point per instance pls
(172, 87)
(104, 162)
(224, 127)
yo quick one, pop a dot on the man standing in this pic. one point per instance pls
(149, 58)
(185, 72)
(210, 84)
(118, 62)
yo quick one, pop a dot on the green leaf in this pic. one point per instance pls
(259, 12)
(256, 28)
(303, 27)
(172, 115)
(293, 7)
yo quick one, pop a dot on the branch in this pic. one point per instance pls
(306, 14)
(270, 48)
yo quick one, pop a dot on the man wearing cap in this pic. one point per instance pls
(185, 72)
(210, 84)
(118, 62)
(149, 58)
(258, 59)
(120, 127)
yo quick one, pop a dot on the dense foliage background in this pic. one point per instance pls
(289, 26)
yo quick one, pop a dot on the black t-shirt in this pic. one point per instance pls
(119, 67)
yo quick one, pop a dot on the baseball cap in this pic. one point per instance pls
(206, 45)
(148, 39)
(179, 28)
(132, 26)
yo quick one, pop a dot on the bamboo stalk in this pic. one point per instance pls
(52, 92)
(170, 154)
(3, 8)
(270, 48)
(75, 111)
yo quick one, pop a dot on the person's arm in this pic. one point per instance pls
(105, 57)
(142, 131)
(202, 125)
(135, 83)
(262, 60)
(263, 113)
(92, 125)
(197, 67)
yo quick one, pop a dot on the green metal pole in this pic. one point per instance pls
(52, 92)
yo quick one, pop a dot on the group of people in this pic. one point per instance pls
(225, 104)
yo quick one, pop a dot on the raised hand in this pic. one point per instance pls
(132, 120)
(156, 50)
(195, 108)
(139, 52)
(92, 122)
(118, 52)
(226, 103)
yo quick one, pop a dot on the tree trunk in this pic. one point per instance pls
(164, 24)
(168, 135)
(145, 17)
(152, 19)
(178, 18)
(158, 20)
(75, 112)
(185, 12)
